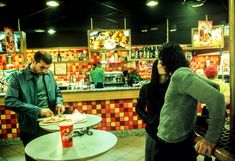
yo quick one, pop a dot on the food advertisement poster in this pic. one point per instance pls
(10, 42)
(205, 31)
(203, 39)
(109, 39)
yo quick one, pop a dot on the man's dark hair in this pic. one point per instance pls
(172, 56)
(44, 56)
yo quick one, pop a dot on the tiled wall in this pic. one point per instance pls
(115, 114)
(8, 123)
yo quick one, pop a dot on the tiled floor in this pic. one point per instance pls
(129, 148)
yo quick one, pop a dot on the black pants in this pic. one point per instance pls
(182, 151)
(27, 137)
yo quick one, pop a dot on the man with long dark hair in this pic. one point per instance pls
(149, 104)
(179, 112)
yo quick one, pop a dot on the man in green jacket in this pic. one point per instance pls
(33, 93)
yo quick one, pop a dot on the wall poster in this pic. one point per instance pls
(109, 39)
(207, 40)
(10, 41)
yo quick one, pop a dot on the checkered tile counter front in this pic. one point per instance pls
(8, 123)
(115, 114)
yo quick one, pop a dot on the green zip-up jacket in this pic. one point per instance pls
(21, 97)
(178, 114)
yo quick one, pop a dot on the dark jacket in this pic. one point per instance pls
(149, 107)
(21, 97)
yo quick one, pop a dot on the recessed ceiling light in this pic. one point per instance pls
(39, 30)
(197, 4)
(52, 3)
(51, 31)
(144, 30)
(173, 28)
(151, 3)
(154, 28)
(2, 4)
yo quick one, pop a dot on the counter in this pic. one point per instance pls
(115, 105)
(108, 93)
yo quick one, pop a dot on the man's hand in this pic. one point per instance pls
(204, 147)
(46, 112)
(60, 109)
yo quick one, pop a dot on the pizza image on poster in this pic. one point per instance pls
(10, 43)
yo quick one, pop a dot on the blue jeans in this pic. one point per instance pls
(149, 148)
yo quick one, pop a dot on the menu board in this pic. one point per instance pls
(109, 39)
(214, 39)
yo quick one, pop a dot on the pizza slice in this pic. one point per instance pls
(52, 120)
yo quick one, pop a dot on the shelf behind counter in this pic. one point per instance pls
(107, 93)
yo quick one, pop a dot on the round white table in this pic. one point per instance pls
(49, 147)
(91, 121)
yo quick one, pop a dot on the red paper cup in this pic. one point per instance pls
(66, 133)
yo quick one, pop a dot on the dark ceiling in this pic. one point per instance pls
(75, 15)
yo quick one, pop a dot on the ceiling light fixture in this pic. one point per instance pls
(2, 4)
(194, 3)
(173, 28)
(151, 3)
(198, 4)
(51, 31)
(39, 30)
(154, 28)
(143, 30)
(52, 3)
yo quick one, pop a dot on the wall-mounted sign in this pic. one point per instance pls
(207, 40)
(109, 39)
(205, 32)
(12, 42)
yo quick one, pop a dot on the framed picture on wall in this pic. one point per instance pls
(215, 38)
(60, 69)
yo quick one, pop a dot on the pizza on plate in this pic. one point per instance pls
(52, 120)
